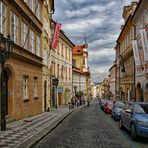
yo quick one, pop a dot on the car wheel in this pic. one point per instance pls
(121, 125)
(133, 132)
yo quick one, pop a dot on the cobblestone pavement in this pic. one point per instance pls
(89, 128)
(19, 131)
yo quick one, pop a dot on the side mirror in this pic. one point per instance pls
(128, 111)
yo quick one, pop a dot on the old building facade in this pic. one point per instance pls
(125, 75)
(48, 10)
(140, 22)
(61, 70)
(80, 58)
(23, 71)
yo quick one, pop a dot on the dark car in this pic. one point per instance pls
(134, 117)
(116, 111)
(102, 103)
(108, 107)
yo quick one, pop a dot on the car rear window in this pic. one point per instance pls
(119, 105)
(144, 107)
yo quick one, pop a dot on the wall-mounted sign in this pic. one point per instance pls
(60, 89)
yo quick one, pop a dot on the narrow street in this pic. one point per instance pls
(89, 127)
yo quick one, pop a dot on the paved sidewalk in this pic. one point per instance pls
(25, 133)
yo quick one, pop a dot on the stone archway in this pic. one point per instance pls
(9, 87)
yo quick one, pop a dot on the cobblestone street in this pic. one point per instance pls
(88, 127)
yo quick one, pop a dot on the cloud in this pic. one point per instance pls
(100, 21)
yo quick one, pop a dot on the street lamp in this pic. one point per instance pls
(6, 45)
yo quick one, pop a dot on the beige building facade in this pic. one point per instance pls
(61, 70)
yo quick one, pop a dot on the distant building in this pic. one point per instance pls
(80, 58)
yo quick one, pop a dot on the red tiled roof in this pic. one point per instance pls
(78, 50)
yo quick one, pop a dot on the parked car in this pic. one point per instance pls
(134, 117)
(102, 103)
(116, 111)
(108, 106)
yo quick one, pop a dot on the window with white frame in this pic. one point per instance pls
(25, 87)
(24, 35)
(32, 41)
(38, 45)
(35, 87)
(3, 18)
(14, 27)
(31, 5)
(38, 9)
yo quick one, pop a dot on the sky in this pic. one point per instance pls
(100, 22)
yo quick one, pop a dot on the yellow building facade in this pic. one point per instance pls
(80, 56)
(48, 10)
(125, 58)
(22, 20)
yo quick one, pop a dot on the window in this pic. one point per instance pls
(31, 41)
(58, 50)
(45, 57)
(62, 50)
(35, 87)
(128, 107)
(69, 55)
(54, 68)
(31, 5)
(14, 27)
(38, 45)
(25, 88)
(2, 18)
(66, 52)
(66, 72)
(58, 72)
(38, 9)
(62, 72)
(24, 35)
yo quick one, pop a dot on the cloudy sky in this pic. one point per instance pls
(100, 21)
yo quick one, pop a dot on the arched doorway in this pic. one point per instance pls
(53, 96)
(139, 95)
(6, 89)
(9, 89)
